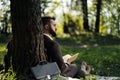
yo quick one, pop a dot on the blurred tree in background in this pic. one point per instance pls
(85, 15)
(110, 17)
(97, 23)
(5, 21)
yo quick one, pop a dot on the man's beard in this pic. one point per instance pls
(52, 32)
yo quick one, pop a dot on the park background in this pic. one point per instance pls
(88, 27)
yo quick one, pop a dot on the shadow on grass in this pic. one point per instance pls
(89, 39)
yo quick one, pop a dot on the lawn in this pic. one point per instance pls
(102, 53)
(104, 60)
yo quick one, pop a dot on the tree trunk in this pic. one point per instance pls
(27, 42)
(97, 23)
(85, 15)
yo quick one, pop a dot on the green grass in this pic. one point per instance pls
(102, 53)
(90, 38)
(3, 50)
(104, 60)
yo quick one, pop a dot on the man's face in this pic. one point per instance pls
(52, 28)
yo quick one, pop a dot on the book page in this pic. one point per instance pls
(68, 58)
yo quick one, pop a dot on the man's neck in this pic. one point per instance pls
(48, 35)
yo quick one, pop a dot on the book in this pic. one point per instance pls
(68, 58)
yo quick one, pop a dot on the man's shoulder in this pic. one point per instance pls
(48, 41)
(46, 37)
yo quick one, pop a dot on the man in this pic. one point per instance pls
(53, 51)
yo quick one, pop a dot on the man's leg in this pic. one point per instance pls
(70, 71)
(80, 74)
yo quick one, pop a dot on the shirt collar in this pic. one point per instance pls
(48, 36)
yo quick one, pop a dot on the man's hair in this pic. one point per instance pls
(46, 20)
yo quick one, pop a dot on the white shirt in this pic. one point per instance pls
(48, 36)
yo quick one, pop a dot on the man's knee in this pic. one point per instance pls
(70, 71)
(80, 74)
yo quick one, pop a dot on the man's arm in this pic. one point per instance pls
(57, 55)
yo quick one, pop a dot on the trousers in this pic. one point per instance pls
(73, 71)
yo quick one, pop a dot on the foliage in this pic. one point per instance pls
(5, 24)
(110, 14)
(3, 45)
(10, 75)
(7, 76)
(46, 8)
(2, 52)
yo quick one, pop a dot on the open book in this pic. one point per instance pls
(68, 58)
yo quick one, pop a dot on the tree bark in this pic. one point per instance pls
(27, 42)
(97, 23)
